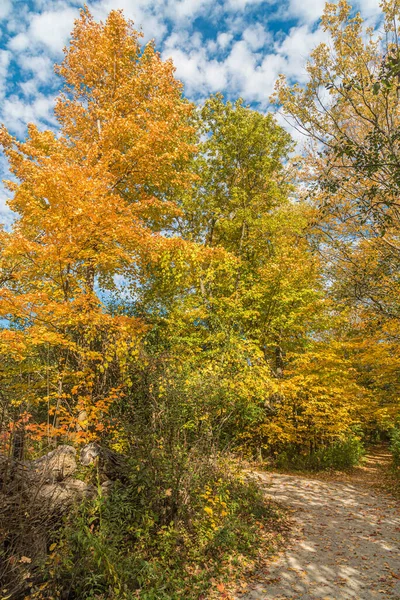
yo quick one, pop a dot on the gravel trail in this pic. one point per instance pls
(346, 543)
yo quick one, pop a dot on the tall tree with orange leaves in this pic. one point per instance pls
(91, 203)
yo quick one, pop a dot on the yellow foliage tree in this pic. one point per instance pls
(349, 109)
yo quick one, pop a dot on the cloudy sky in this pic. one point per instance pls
(235, 46)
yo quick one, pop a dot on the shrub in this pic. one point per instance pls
(341, 455)
(395, 445)
(119, 547)
(181, 517)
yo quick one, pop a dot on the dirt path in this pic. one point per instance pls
(347, 544)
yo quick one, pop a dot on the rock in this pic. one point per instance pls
(110, 464)
(58, 497)
(34, 497)
(46, 483)
(56, 465)
(106, 487)
(90, 453)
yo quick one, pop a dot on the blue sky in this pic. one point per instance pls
(238, 47)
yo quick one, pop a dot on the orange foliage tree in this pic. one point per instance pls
(91, 201)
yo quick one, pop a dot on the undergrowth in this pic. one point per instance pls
(341, 455)
(119, 547)
(395, 446)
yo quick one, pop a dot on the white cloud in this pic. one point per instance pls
(369, 8)
(187, 9)
(147, 15)
(189, 68)
(215, 76)
(241, 58)
(300, 138)
(19, 42)
(40, 65)
(307, 11)
(242, 72)
(5, 8)
(256, 36)
(52, 28)
(4, 64)
(17, 113)
(224, 39)
(241, 63)
(296, 48)
(6, 215)
(255, 78)
(241, 5)
(30, 87)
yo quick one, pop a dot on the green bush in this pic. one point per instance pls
(395, 445)
(118, 547)
(341, 455)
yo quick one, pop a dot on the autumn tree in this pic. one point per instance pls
(349, 111)
(91, 202)
(354, 126)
